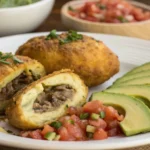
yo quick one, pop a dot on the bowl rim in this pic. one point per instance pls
(40, 2)
(65, 8)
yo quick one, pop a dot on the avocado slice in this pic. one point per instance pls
(132, 76)
(138, 69)
(142, 92)
(136, 81)
(137, 114)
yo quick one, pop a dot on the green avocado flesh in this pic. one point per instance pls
(14, 3)
(132, 76)
(144, 67)
(137, 114)
(142, 92)
(136, 81)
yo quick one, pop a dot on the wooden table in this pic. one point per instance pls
(54, 22)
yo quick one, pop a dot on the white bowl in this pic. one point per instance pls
(23, 19)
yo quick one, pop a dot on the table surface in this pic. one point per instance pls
(54, 22)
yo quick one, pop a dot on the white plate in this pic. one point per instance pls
(131, 52)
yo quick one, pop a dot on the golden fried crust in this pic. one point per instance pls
(19, 118)
(91, 59)
(9, 72)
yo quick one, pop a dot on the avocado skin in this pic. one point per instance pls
(137, 114)
(142, 92)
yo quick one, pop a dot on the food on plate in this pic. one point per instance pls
(45, 100)
(139, 91)
(89, 58)
(132, 76)
(93, 121)
(136, 113)
(109, 11)
(3, 130)
(140, 71)
(136, 81)
(15, 73)
(15, 3)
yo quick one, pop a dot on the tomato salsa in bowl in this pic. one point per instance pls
(93, 121)
(108, 16)
(110, 11)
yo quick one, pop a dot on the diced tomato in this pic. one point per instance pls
(93, 107)
(100, 134)
(91, 8)
(98, 123)
(72, 110)
(75, 118)
(65, 135)
(75, 131)
(64, 119)
(112, 132)
(24, 133)
(36, 134)
(83, 124)
(111, 113)
(110, 10)
(47, 129)
(112, 124)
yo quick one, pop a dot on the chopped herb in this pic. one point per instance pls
(102, 7)
(52, 35)
(102, 114)
(72, 36)
(70, 8)
(89, 135)
(56, 124)
(16, 60)
(71, 121)
(84, 116)
(122, 19)
(5, 56)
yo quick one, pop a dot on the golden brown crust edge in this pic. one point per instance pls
(91, 59)
(14, 111)
(6, 70)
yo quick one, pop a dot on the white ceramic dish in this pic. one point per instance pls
(24, 18)
(131, 52)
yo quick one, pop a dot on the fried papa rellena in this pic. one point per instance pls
(15, 76)
(46, 99)
(92, 60)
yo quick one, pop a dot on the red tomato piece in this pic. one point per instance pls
(36, 134)
(75, 131)
(64, 135)
(100, 134)
(100, 123)
(112, 132)
(24, 133)
(111, 113)
(47, 129)
(93, 107)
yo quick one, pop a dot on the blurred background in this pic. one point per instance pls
(115, 17)
(54, 19)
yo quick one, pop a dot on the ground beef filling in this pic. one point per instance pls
(15, 85)
(52, 97)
